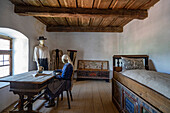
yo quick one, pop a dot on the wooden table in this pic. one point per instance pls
(26, 85)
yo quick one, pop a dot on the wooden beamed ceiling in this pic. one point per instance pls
(84, 15)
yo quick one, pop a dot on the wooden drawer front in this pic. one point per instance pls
(118, 93)
(130, 103)
(104, 74)
(93, 74)
(81, 73)
(88, 73)
(134, 104)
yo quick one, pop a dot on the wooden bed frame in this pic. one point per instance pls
(142, 95)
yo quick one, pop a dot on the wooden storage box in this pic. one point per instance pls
(93, 69)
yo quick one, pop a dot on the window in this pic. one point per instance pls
(5, 56)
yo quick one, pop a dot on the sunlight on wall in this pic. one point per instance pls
(150, 36)
(20, 49)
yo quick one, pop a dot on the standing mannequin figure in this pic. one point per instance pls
(41, 54)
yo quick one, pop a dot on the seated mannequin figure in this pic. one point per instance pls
(67, 69)
(53, 89)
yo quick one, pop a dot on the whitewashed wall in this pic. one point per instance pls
(7, 98)
(31, 28)
(20, 50)
(90, 46)
(150, 36)
(99, 46)
(27, 25)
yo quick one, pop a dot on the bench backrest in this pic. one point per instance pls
(96, 65)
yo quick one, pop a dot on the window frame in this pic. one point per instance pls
(7, 52)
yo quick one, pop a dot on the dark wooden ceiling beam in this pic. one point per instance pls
(79, 12)
(83, 29)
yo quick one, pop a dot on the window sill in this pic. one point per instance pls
(4, 84)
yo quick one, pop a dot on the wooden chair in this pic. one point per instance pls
(68, 88)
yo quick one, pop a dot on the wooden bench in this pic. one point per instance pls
(93, 69)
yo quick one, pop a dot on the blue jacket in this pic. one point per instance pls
(66, 71)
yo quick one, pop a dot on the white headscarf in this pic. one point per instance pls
(66, 57)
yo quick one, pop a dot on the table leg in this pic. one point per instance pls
(61, 96)
(21, 104)
(30, 103)
(68, 100)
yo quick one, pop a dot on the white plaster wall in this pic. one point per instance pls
(31, 28)
(99, 46)
(90, 46)
(150, 36)
(6, 98)
(20, 50)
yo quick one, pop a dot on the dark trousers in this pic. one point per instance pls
(43, 63)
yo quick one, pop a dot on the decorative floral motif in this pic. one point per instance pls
(130, 63)
(83, 64)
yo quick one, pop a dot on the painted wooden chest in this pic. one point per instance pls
(93, 69)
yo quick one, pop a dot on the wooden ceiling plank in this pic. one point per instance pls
(122, 21)
(18, 2)
(33, 2)
(106, 21)
(50, 3)
(120, 4)
(72, 21)
(137, 4)
(68, 3)
(95, 21)
(85, 3)
(125, 22)
(104, 4)
(54, 3)
(113, 21)
(149, 4)
(129, 4)
(96, 3)
(55, 21)
(144, 3)
(66, 21)
(50, 21)
(63, 3)
(83, 29)
(61, 21)
(71, 4)
(117, 22)
(84, 21)
(113, 4)
(79, 12)
(41, 20)
(91, 21)
(44, 2)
